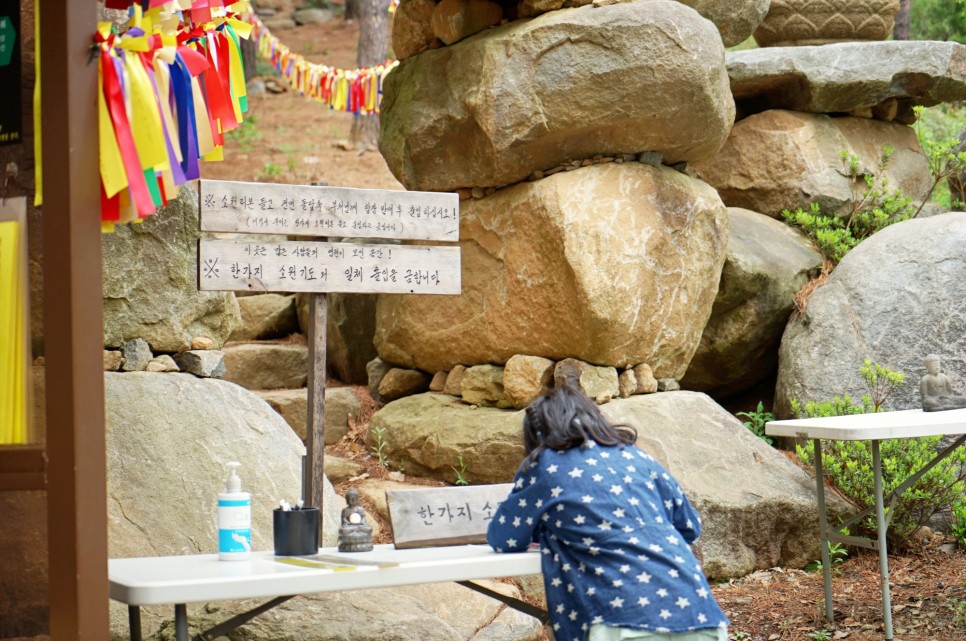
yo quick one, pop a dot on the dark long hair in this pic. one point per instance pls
(563, 418)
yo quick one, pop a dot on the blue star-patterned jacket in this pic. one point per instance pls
(614, 530)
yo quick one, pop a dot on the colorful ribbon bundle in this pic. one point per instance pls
(357, 91)
(169, 88)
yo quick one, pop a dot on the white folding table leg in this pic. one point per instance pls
(823, 529)
(881, 526)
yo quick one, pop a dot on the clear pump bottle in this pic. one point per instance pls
(234, 519)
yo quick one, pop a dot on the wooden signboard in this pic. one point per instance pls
(443, 515)
(297, 266)
(309, 210)
(310, 265)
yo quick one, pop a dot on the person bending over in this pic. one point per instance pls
(613, 527)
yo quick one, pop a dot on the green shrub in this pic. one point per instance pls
(756, 421)
(879, 207)
(848, 464)
(938, 130)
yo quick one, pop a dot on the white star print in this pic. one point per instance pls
(511, 543)
(665, 614)
(668, 504)
(634, 540)
(538, 504)
(591, 591)
(616, 490)
(633, 501)
(595, 552)
(573, 615)
(624, 569)
(560, 608)
(702, 593)
(662, 593)
(516, 521)
(591, 461)
(605, 455)
(552, 469)
(522, 503)
(556, 582)
(529, 520)
(654, 547)
(682, 602)
(519, 483)
(598, 478)
(587, 499)
(555, 492)
(627, 455)
(617, 583)
(643, 601)
(604, 526)
(577, 473)
(644, 577)
(617, 603)
(702, 618)
(565, 567)
(598, 571)
(588, 540)
(618, 513)
(502, 519)
(672, 573)
(579, 519)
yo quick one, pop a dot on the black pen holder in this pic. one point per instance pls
(296, 531)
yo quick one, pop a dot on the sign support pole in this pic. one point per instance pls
(315, 432)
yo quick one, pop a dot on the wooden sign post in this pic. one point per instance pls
(282, 265)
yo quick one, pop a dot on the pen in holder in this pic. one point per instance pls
(296, 531)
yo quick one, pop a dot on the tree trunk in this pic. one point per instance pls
(901, 30)
(373, 46)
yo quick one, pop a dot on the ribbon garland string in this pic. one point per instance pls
(173, 84)
(169, 88)
(356, 91)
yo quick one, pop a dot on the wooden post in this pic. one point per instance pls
(315, 430)
(74, 326)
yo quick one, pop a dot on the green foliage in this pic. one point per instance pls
(938, 20)
(957, 610)
(879, 207)
(378, 450)
(819, 635)
(938, 136)
(461, 472)
(836, 555)
(246, 133)
(958, 527)
(756, 421)
(270, 169)
(848, 464)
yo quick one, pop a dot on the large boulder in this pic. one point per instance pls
(759, 510)
(581, 82)
(841, 78)
(767, 263)
(763, 516)
(351, 322)
(735, 19)
(426, 435)
(168, 438)
(893, 299)
(778, 160)
(267, 365)
(151, 282)
(614, 264)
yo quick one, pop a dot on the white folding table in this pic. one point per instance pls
(196, 578)
(874, 428)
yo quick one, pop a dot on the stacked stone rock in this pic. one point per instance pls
(580, 241)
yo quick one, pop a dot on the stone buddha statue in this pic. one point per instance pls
(355, 535)
(936, 389)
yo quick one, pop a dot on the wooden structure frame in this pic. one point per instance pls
(72, 466)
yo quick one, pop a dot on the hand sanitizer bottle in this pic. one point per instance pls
(234, 519)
